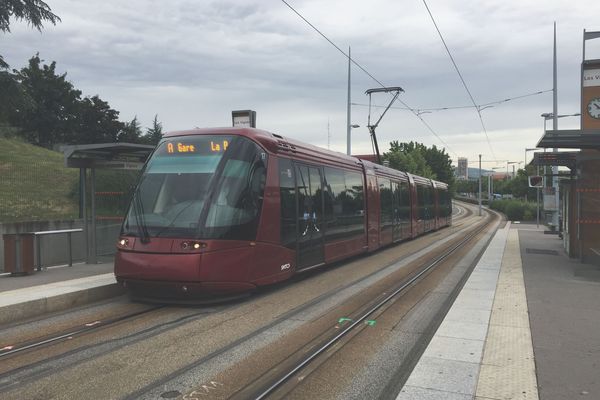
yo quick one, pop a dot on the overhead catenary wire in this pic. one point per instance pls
(420, 110)
(477, 108)
(347, 56)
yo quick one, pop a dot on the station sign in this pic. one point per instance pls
(591, 77)
(243, 119)
(559, 159)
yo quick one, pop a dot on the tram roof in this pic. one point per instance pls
(299, 150)
(277, 144)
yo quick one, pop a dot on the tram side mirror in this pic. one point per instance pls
(535, 181)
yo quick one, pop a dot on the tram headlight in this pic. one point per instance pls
(192, 245)
(123, 242)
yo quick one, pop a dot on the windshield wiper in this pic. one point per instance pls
(140, 219)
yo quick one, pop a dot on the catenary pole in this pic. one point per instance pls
(348, 111)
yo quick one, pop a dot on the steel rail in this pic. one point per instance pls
(10, 350)
(266, 392)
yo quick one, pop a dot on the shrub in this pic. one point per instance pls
(514, 210)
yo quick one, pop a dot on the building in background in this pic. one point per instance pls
(462, 171)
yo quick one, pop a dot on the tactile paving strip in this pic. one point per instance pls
(508, 367)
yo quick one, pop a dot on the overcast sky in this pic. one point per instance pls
(193, 62)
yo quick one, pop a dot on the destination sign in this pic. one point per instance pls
(180, 148)
(217, 147)
(198, 146)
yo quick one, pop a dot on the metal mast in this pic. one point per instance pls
(348, 126)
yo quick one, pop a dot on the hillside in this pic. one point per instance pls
(34, 183)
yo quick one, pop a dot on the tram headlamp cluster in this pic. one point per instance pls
(123, 242)
(192, 245)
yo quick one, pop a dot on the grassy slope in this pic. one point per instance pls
(34, 183)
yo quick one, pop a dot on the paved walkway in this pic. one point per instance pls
(523, 327)
(564, 312)
(54, 289)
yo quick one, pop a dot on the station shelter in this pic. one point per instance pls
(580, 189)
(88, 158)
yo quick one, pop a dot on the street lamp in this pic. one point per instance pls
(507, 163)
(518, 167)
(529, 149)
(480, 185)
(349, 144)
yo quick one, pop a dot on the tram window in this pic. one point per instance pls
(344, 204)
(287, 193)
(444, 200)
(404, 197)
(234, 212)
(387, 203)
(429, 209)
(420, 202)
(353, 203)
(335, 187)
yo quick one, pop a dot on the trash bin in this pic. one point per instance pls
(18, 253)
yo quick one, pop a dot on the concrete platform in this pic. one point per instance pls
(55, 289)
(525, 326)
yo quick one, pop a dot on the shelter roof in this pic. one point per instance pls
(571, 139)
(107, 155)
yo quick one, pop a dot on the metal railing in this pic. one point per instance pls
(38, 247)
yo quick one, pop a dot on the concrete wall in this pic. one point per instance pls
(54, 248)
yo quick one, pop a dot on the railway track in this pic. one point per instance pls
(274, 384)
(353, 307)
(69, 334)
(197, 349)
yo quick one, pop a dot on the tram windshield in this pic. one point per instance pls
(205, 187)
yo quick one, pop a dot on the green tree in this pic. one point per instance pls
(406, 157)
(419, 159)
(153, 134)
(439, 161)
(52, 117)
(52, 111)
(34, 12)
(519, 185)
(14, 98)
(131, 132)
(98, 123)
(467, 186)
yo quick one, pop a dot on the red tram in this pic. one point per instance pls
(222, 211)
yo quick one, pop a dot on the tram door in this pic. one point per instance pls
(310, 216)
